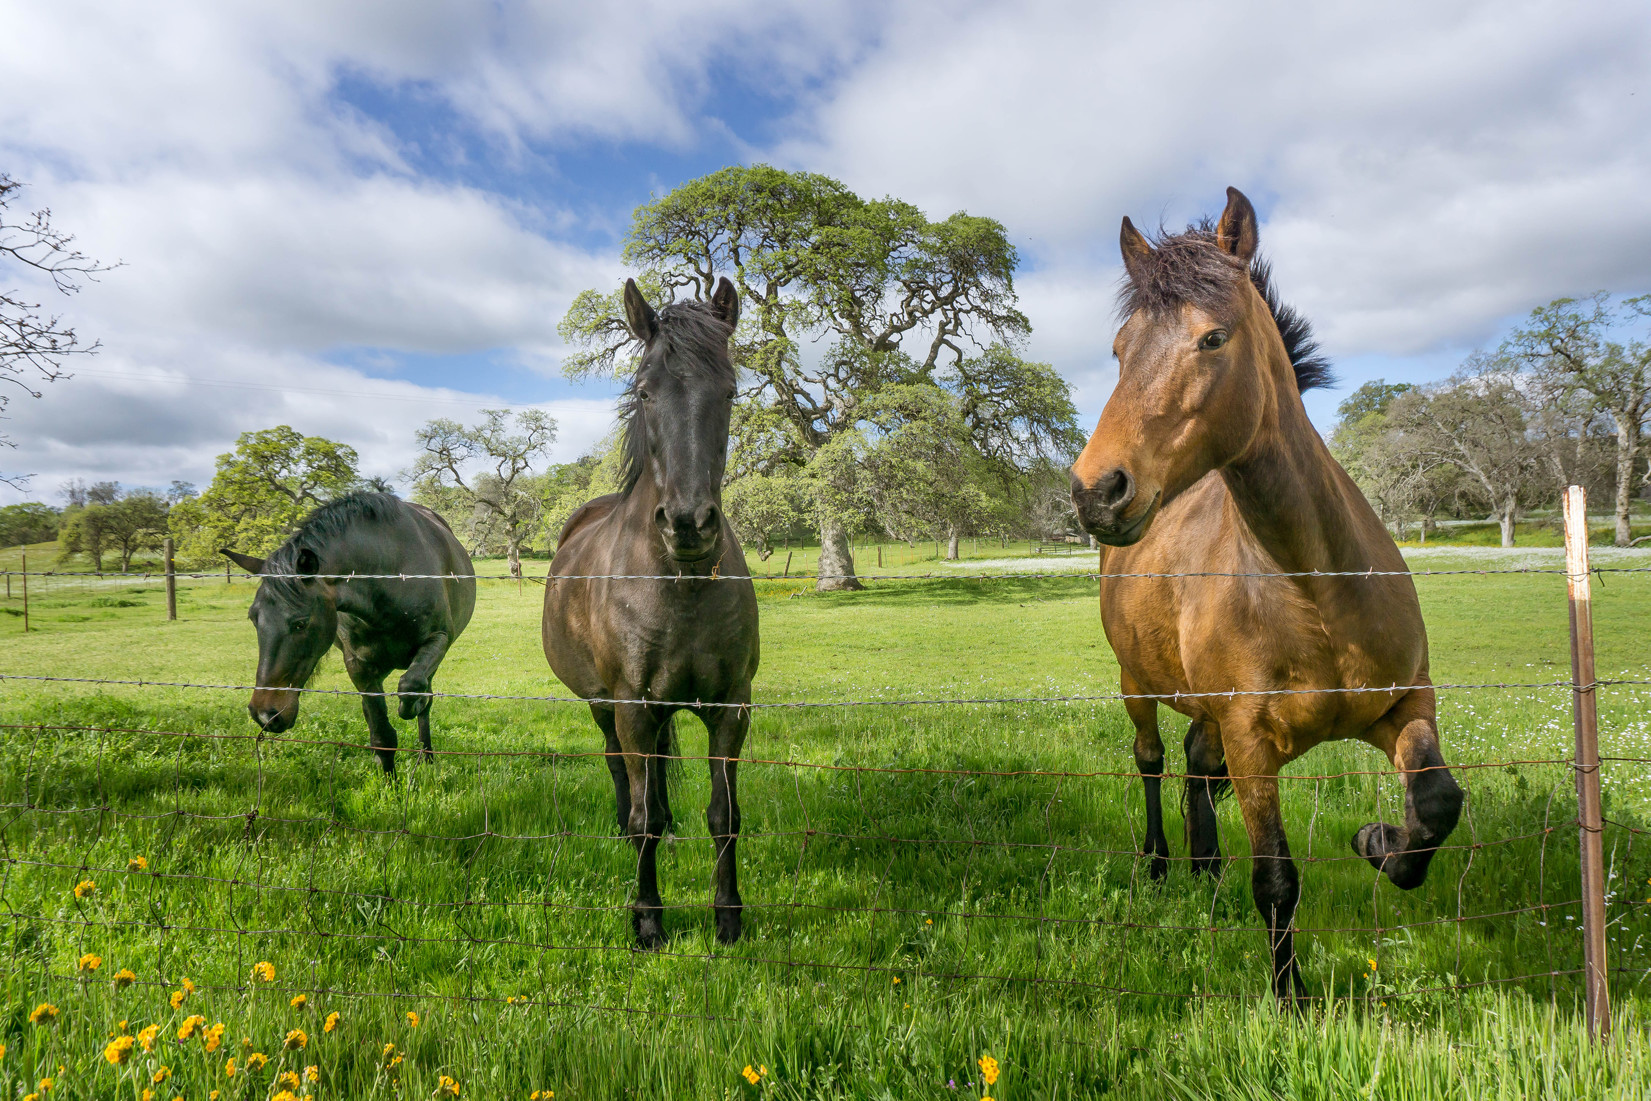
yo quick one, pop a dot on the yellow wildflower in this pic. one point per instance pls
(175, 999)
(148, 1094)
(213, 1096)
(300, 1001)
(412, 1019)
(31, 1097)
(161, 1075)
(542, 1095)
(1372, 963)
(897, 980)
(285, 1095)
(124, 977)
(91, 961)
(332, 1022)
(312, 1073)
(750, 1075)
(85, 889)
(287, 1080)
(389, 1050)
(229, 1067)
(988, 1070)
(191, 1025)
(136, 864)
(213, 1037)
(256, 1062)
(187, 985)
(46, 1085)
(264, 971)
(119, 1050)
(296, 1040)
(43, 1014)
(446, 1087)
(146, 1037)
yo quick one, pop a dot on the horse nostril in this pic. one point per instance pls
(660, 519)
(1115, 490)
(707, 518)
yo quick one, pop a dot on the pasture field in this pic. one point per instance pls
(925, 884)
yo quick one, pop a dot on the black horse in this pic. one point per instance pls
(632, 638)
(380, 624)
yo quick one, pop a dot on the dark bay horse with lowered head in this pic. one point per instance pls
(692, 636)
(303, 607)
(1204, 461)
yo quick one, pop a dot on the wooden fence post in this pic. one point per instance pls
(25, 589)
(1596, 994)
(171, 581)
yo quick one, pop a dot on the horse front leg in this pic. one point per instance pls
(616, 765)
(1206, 780)
(1274, 882)
(414, 686)
(381, 735)
(1433, 799)
(728, 727)
(1149, 762)
(638, 729)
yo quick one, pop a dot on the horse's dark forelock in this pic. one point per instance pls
(1189, 267)
(694, 340)
(320, 527)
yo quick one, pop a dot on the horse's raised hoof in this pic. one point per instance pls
(650, 930)
(729, 924)
(1384, 846)
(413, 704)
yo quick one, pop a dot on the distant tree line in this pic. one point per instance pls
(1565, 399)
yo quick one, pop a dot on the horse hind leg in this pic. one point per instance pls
(1149, 762)
(1274, 882)
(638, 732)
(426, 750)
(1206, 782)
(1433, 799)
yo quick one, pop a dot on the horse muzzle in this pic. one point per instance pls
(273, 710)
(690, 535)
(1104, 509)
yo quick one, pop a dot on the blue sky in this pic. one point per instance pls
(353, 218)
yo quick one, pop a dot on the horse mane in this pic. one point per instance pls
(694, 339)
(1189, 267)
(322, 525)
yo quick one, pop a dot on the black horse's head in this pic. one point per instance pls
(296, 615)
(676, 414)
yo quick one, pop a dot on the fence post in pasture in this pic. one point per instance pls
(787, 564)
(171, 580)
(25, 551)
(1589, 818)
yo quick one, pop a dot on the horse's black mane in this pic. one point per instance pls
(318, 528)
(694, 340)
(1189, 267)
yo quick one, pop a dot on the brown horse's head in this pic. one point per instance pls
(676, 415)
(1205, 354)
(296, 616)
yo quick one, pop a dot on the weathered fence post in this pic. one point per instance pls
(787, 564)
(1596, 994)
(25, 589)
(171, 581)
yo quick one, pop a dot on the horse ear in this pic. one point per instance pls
(308, 562)
(725, 302)
(245, 561)
(1236, 232)
(639, 316)
(1135, 248)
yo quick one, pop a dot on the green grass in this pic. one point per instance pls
(1012, 912)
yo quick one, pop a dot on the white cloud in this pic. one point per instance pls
(1423, 170)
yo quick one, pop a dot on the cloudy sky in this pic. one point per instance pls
(352, 218)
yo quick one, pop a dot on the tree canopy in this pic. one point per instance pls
(844, 299)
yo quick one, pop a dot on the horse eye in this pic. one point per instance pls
(300, 623)
(1213, 340)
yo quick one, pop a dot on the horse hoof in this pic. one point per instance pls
(650, 931)
(1377, 841)
(729, 925)
(1158, 869)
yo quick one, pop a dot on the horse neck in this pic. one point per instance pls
(1289, 496)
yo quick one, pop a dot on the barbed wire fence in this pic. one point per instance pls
(1063, 955)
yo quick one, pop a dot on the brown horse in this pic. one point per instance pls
(1204, 461)
(691, 637)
